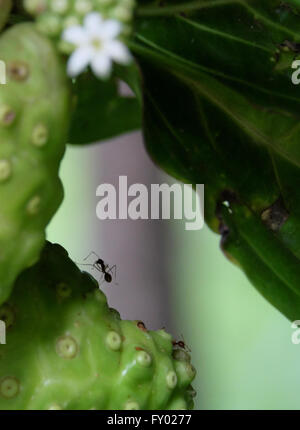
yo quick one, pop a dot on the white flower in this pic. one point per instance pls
(96, 45)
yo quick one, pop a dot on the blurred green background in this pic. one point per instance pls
(241, 346)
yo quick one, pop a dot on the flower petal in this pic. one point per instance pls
(101, 65)
(111, 29)
(75, 35)
(118, 52)
(78, 61)
(92, 22)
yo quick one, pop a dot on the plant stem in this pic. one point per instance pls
(183, 7)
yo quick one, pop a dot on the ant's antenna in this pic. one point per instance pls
(91, 253)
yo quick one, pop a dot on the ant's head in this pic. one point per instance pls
(108, 277)
(100, 261)
(180, 343)
(141, 326)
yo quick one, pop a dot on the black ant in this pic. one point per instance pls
(100, 265)
(141, 326)
(181, 344)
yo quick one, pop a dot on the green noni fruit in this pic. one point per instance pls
(66, 349)
(34, 118)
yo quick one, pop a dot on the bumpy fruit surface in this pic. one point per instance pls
(34, 106)
(54, 16)
(66, 349)
(5, 6)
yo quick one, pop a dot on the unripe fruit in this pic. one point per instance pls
(71, 351)
(34, 120)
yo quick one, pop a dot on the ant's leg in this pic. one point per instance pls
(113, 271)
(102, 280)
(91, 253)
(185, 345)
(85, 264)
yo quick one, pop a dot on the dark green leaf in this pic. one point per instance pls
(220, 109)
(100, 112)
